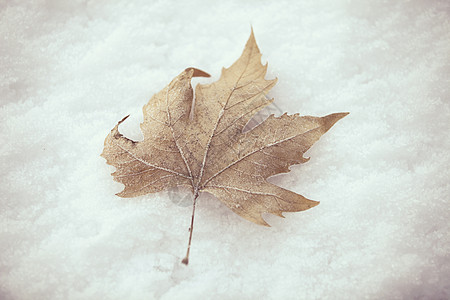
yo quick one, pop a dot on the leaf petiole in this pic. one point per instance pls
(191, 229)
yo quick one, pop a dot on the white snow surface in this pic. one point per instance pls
(71, 69)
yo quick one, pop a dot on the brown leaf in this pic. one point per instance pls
(201, 144)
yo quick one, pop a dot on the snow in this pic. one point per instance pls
(71, 69)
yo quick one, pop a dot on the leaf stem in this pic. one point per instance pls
(191, 229)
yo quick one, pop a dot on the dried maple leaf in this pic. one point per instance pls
(201, 144)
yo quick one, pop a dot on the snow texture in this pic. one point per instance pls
(71, 69)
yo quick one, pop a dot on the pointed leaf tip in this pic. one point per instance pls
(124, 118)
(121, 121)
(251, 42)
(331, 119)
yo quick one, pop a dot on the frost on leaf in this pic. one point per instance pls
(201, 144)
